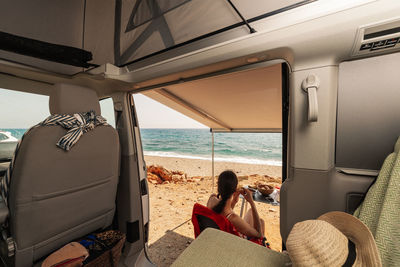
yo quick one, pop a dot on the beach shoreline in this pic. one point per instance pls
(171, 203)
(201, 167)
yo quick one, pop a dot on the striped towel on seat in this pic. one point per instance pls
(76, 124)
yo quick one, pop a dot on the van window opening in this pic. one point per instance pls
(22, 110)
(107, 110)
(186, 154)
(19, 111)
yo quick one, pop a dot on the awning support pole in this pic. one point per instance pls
(252, 30)
(212, 159)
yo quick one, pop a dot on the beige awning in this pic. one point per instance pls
(248, 100)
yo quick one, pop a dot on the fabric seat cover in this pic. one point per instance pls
(57, 196)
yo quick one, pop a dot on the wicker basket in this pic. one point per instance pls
(265, 189)
(110, 254)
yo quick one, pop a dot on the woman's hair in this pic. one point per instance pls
(227, 183)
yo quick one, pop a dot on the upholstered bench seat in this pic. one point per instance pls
(217, 248)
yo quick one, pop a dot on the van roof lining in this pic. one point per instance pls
(44, 50)
(224, 29)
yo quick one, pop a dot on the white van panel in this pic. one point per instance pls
(368, 120)
(312, 144)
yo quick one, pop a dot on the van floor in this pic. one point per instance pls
(171, 230)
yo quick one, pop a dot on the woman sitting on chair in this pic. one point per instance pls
(251, 227)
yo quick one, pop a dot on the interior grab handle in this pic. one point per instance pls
(310, 86)
(312, 104)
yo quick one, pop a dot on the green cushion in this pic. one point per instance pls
(217, 248)
(380, 210)
(397, 146)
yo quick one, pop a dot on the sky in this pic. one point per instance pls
(152, 114)
(23, 110)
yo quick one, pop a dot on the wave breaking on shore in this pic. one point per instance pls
(216, 159)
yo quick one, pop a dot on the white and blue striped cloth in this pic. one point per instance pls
(77, 125)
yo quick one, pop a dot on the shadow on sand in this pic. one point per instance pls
(165, 250)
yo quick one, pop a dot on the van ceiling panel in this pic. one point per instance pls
(122, 31)
(56, 22)
(249, 100)
(170, 23)
(252, 9)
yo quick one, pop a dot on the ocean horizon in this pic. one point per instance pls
(249, 148)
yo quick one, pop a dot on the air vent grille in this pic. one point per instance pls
(377, 38)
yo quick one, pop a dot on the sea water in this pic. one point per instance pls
(250, 148)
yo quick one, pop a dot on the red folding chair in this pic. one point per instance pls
(203, 217)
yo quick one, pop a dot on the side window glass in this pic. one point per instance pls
(18, 112)
(107, 110)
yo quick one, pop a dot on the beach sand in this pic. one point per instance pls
(197, 167)
(171, 230)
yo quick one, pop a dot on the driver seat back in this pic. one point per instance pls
(57, 196)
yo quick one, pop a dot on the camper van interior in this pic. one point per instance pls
(322, 73)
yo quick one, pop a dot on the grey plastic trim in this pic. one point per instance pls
(306, 194)
(358, 172)
(368, 121)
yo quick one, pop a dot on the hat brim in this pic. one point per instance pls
(359, 234)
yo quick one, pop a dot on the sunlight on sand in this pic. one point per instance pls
(171, 229)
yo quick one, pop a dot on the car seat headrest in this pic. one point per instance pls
(397, 146)
(70, 99)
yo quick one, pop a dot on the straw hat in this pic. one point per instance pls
(324, 242)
